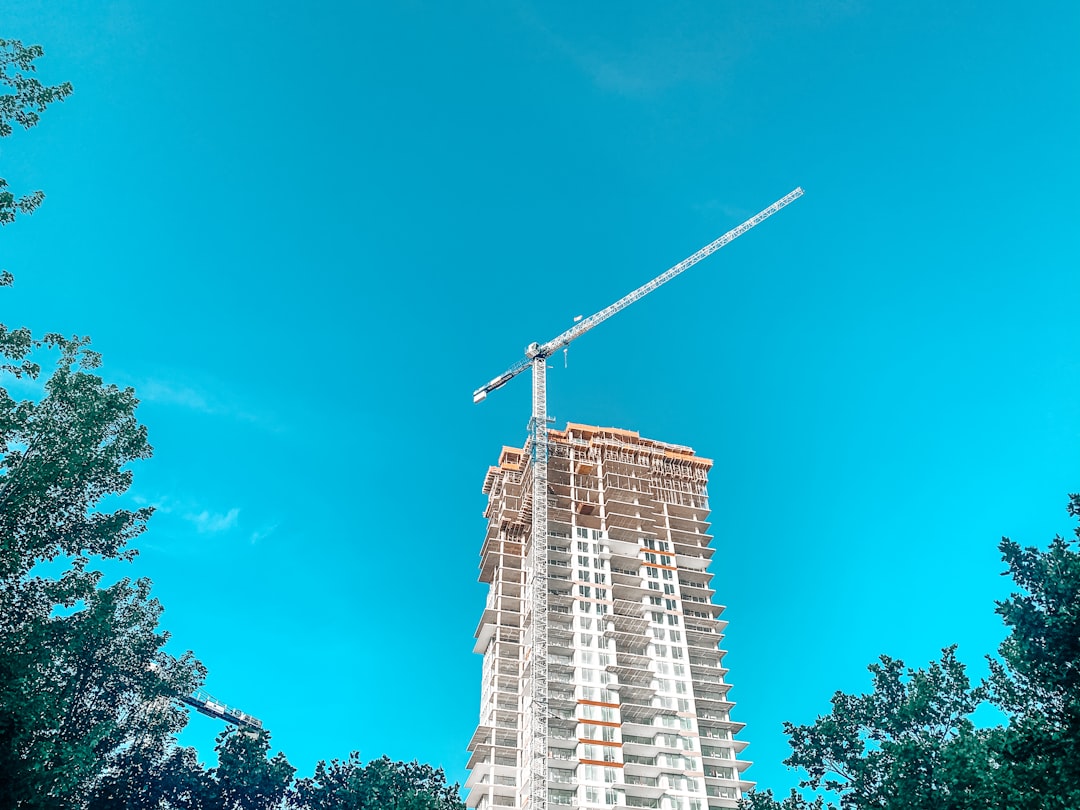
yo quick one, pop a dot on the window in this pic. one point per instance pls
(585, 622)
(673, 620)
(665, 560)
(652, 572)
(584, 590)
(660, 649)
(582, 559)
(592, 796)
(582, 546)
(588, 693)
(668, 574)
(581, 532)
(585, 607)
(657, 616)
(658, 632)
(561, 796)
(650, 557)
(601, 610)
(584, 575)
(655, 600)
(586, 640)
(607, 714)
(608, 732)
(675, 635)
(680, 687)
(586, 657)
(684, 706)
(655, 586)
(676, 652)
(599, 578)
(601, 593)
(680, 669)
(597, 562)
(669, 588)
(671, 604)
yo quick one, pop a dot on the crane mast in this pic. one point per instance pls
(536, 355)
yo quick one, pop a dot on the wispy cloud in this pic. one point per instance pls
(172, 394)
(261, 534)
(668, 56)
(207, 522)
(199, 399)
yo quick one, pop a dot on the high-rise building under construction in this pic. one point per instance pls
(618, 691)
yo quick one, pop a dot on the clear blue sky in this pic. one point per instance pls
(306, 232)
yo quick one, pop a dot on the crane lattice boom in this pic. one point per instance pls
(205, 703)
(535, 350)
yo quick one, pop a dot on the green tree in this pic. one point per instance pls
(23, 107)
(153, 773)
(84, 681)
(1037, 682)
(245, 777)
(911, 743)
(82, 670)
(382, 784)
(765, 800)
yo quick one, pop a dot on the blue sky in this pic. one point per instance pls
(305, 235)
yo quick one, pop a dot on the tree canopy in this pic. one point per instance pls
(89, 707)
(22, 106)
(911, 742)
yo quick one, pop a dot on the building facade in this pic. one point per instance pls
(635, 712)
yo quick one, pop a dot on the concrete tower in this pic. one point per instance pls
(636, 701)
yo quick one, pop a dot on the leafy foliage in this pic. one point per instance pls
(382, 784)
(1037, 683)
(61, 456)
(88, 697)
(22, 107)
(911, 743)
(245, 778)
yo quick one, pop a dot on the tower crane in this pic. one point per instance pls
(536, 355)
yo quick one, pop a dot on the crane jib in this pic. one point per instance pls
(577, 330)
